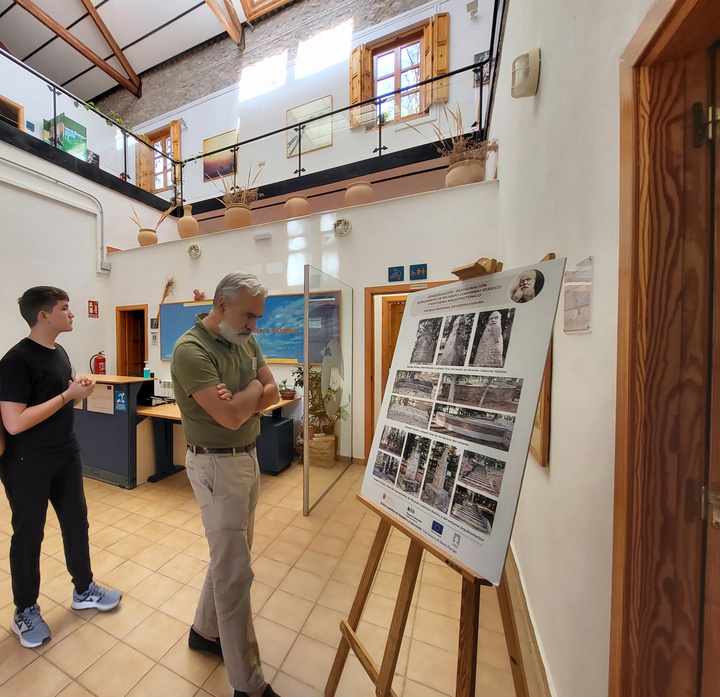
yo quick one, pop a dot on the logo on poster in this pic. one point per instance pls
(437, 527)
(120, 403)
(456, 539)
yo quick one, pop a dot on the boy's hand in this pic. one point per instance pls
(80, 388)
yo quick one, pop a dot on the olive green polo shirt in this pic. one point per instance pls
(200, 360)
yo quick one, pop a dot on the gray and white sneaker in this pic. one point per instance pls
(30, 627)
(97, 597)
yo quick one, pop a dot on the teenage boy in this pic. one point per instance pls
(42, 462)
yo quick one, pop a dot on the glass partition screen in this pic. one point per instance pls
(327, 383)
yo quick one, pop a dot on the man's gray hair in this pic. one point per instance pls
(235, 282)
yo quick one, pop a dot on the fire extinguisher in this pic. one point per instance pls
(97, 364)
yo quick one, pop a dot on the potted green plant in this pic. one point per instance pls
(320, 420)
(286, 391)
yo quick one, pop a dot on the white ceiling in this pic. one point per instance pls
(148, 32)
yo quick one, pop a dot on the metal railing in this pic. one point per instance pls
(124, 139)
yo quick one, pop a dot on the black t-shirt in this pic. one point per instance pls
(31, 374)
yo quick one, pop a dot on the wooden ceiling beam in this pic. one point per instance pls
(78, 45)
(232, 13)
(111, 42)
(235, 35)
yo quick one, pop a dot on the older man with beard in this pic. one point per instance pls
(221, 385)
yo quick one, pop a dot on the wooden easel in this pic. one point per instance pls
(382, 675)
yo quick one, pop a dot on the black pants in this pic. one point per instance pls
(31, 480)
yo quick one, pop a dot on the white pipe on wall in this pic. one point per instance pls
(102, 265)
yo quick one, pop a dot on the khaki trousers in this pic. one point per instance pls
(227, 487)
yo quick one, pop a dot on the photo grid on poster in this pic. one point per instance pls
(449, 438)
(453, 477)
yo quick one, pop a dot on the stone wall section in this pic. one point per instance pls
(216, 65)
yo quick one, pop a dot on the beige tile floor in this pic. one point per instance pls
(149, 543)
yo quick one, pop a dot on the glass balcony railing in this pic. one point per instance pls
(318, 143)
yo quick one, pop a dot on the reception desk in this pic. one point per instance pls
(275, 444)
(106, 425)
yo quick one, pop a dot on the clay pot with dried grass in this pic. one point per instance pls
(466, 154)
(237, 200)
(148, 235)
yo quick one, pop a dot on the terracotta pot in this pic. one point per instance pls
(147, 236)
(290, 394)
(237, 215)
(465, 172)
(187, 225)
(295, 206)
(358, 193)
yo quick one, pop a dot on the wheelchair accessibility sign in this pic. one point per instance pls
(120, 401)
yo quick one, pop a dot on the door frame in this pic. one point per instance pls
(120, 332)
(647, 592)
(386, 358)
(370, 295)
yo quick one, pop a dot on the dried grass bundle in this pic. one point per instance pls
(136, 219)
(167, 290)
(458, 146)
(232, 193)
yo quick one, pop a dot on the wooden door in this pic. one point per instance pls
(131, 339)
(664, 375)
(370, 330)
(392, 314)
(711, 609)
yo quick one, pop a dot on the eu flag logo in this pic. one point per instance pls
(437, 527)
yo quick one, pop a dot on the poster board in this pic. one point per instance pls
(280, 331)
(452, 438)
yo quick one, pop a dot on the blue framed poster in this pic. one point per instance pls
(280, 331)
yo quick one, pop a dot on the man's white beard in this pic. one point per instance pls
(232, 335)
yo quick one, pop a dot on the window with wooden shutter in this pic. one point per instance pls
(153, 172)
(361, 86)
(400, 62)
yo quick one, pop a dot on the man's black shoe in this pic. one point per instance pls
(267, 692)
(200, 643)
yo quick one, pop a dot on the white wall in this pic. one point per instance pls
(444, 228)
(558, 168)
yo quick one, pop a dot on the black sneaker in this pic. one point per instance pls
(198, 642)
(267, 692)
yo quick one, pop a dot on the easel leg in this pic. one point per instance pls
(358, 605)
(468, 646)
(397, 626)
(511, 638)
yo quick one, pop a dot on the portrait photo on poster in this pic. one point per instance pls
(526, 286)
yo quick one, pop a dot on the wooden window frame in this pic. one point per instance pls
(145, 157)
(434, 61)
(257, 8)
(397, 44)
(20, 110)
(162, 135)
